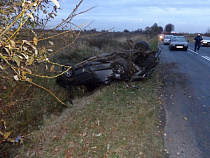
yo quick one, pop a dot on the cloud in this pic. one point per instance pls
(135, 14)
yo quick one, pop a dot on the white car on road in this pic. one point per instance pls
(167, 38)
(205, 41)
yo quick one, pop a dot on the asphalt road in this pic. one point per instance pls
(186, 92)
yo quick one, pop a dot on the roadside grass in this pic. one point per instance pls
(153, 43)
(120, 120)
(113, 121)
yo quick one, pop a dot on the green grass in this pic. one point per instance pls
(119, 120)
(153, 43)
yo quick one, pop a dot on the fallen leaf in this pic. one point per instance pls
(7, 134)
(98, 135)
(51, 43)
(84, 134)
(185, 118)
(16, 77)
(49, 50)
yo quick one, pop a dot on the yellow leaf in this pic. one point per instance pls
(23, 75)
(35, 40)
(17, 60)
(31, 16)
(31, 60)
(52, 68)
(12, 43)
(7, 134)
(27, 70)
(2, 11)
(32, 46)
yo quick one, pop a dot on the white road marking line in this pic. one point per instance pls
(206, 57)
(192, 51)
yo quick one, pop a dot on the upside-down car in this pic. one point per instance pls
(123, 65)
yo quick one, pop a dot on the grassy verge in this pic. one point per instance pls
(120, 120)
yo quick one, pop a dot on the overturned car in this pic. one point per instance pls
(99, 70)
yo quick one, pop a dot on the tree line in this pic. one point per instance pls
(155, 29)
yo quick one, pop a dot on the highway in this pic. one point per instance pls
(185, 90)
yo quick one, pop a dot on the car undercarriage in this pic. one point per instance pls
(124, 65)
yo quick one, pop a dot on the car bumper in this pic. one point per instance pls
(165, 42)
(205, 44)
(178, 47)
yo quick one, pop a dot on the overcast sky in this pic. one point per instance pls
(186, 15)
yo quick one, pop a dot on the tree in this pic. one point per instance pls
(126, 30)
(160, 29)
(147, 30)
(27, 54)
(154, 29)
(169, 28)
(21, 53)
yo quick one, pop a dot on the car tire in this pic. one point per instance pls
(70, 72)
(141, 46)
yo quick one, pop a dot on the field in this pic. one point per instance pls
(120, 120)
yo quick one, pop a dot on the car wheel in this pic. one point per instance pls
(141, 46)
(70, 72)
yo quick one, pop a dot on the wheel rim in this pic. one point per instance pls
(68, 73)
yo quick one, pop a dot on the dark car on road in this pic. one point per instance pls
(178, 43)
(123, 65)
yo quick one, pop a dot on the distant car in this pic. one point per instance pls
(103, 69)
(205, 41)
(178, 42)
(161, 37)
(167, 39)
